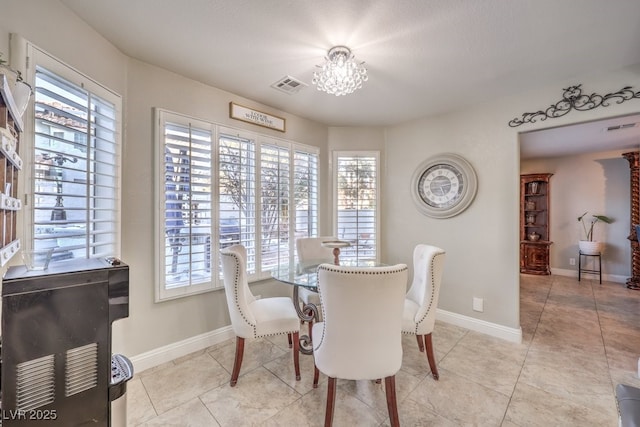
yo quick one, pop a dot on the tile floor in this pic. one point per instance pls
(579, 341)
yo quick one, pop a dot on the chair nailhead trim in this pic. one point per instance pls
(433, 290)
(236, 299)
(236, 281)
(327, 267)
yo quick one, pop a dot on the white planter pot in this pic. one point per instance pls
(590, 248)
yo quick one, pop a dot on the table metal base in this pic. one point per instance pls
(309, 314)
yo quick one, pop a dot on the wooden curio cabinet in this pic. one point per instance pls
(534, 223)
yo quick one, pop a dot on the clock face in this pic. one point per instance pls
(443, 186)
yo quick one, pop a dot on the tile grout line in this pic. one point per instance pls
(524, 360)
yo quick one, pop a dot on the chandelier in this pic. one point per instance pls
(340, 74)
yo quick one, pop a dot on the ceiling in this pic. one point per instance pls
(424, 57)
(617, 133)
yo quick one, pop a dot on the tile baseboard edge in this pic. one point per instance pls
(493, 329)
(167, 353)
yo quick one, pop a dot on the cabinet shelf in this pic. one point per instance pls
(534, 254)
(8, 251)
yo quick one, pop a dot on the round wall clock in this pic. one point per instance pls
(443, 185)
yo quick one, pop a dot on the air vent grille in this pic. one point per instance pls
(35, 383)
(81, 369)
(620, 127)
(289, 85)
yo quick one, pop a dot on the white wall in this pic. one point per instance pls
(593, 182)
(482, 242)
(150, 324)
(49, 25)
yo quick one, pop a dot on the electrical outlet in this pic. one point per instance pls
(478, 304)
(572, 261)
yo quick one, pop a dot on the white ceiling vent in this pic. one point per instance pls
(620, 127)
(289, 85)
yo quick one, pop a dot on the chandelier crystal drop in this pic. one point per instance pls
(341, 73)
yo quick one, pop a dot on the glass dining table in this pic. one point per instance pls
(306, 276)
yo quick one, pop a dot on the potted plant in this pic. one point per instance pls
(589, 246)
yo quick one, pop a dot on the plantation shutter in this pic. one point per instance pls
(275, 187)
(187, 205)
(76, 199)
(357, 205)
(237, 194)
(305, 186)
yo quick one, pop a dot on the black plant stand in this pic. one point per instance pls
(589, 271)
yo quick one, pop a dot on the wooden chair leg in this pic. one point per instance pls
(420, 343)
(316, 376)
(296, 354)
(392, 403)
(431, 357)
(331, 400)
(238, 361)
(289, 338)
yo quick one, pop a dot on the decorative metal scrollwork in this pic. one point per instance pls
(574, 99)
(307, 314)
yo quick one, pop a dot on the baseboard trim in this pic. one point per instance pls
(167, 353)
(482, 326)
(574, 273)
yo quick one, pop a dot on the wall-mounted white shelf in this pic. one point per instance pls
(8, 251)
(8, 146)
(11, 127)
(9, 203)
(10, 102)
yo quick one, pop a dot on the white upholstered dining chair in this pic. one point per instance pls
(253, 318)
(421, 301)
(360, 336)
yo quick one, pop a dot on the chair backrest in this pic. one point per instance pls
(362, 321)
(428, 265)
(310, 250)
(236, 286)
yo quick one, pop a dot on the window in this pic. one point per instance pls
(275, 189)
(305, 182)
(76, 164)
(187, 201)
(237, 190)
(219, 187)
(356, 198)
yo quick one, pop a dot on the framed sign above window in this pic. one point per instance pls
(256, 117)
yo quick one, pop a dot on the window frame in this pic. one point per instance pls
(336, 201)
(37, 57)
(251, 238)
(162, 117)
